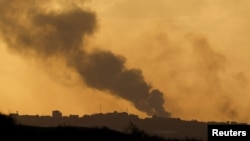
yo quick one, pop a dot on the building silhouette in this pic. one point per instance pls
(56, 114)
(166, 127)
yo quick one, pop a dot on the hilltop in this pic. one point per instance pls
(10, 129)
(160, 126)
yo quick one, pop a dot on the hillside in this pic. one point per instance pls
(11, 130)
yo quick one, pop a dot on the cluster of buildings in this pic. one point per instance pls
(166, 127)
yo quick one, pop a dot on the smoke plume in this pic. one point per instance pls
(31, 30)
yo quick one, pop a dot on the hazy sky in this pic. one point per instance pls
(194, 52)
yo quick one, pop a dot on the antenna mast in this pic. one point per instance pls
(100, 108)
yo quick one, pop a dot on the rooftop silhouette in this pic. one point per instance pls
(161, 126)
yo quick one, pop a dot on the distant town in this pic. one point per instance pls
(166, 127)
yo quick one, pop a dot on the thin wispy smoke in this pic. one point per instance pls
(29, 30)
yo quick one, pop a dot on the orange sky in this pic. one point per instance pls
(195, 52)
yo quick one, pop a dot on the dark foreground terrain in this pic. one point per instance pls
(10, 130)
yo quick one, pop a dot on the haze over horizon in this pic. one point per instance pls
(187, 58)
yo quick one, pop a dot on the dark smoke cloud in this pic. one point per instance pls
(46, 34)
(105, 71)
(31, 31)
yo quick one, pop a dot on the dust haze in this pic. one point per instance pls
(194, 51)
(50, 34)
